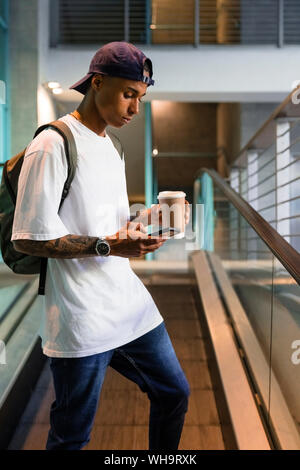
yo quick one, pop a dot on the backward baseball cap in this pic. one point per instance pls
(117, 59)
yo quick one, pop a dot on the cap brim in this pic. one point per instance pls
(83, 84)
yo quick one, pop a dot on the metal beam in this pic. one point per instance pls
(54, 18)
(280, 23)
(126, 21)
(148, 162)
(148, 21)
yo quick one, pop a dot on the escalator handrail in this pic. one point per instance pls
(283, 251)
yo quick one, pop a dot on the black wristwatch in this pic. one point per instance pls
(102, 247)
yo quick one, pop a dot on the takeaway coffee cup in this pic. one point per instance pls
(173, 209)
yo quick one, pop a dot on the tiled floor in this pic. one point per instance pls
(122, 418)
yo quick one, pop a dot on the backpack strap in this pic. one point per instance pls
(70, 150)
(71, 154)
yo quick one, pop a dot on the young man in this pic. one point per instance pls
(98, 312)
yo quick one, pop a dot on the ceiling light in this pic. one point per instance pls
(53, 85)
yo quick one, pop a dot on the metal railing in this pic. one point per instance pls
(261, 229)
(195, 22)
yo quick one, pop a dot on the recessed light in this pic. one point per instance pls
(57, 91)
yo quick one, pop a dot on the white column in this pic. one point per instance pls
(283, 158)
(252, 171)
(234, 179)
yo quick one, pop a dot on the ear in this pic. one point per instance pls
(97, 80)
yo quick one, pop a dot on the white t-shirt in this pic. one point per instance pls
(92, 304)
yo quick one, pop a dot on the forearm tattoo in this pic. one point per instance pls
(70, 246)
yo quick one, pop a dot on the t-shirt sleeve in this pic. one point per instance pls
(41, 181)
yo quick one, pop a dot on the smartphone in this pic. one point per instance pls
(170, 231)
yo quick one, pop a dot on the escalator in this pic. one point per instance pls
(230, 300)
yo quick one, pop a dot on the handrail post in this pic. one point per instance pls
(252, 172)
(196, 23)
(148, 162)
(283, 158)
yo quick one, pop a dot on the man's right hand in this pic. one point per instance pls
(132, 241)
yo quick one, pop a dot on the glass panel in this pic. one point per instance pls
(248, 263)
(285, 359)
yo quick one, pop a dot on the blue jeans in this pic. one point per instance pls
(149, 361)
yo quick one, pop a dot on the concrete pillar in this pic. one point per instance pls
(227, 135)
(24, 72)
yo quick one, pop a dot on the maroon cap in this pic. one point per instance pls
(117, 59)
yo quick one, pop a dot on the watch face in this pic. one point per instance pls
(103, 248)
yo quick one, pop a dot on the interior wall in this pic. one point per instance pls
(184, 127)
(228, 135)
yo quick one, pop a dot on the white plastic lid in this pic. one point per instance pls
(171, 194)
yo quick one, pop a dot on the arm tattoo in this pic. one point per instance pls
(70, 246)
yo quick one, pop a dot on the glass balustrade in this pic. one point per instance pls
(267, 324)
